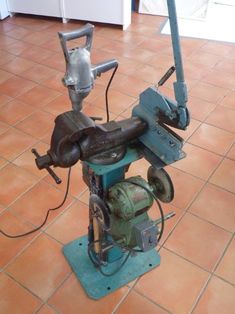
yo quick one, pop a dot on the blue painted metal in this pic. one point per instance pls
(166, 145)
(179, 86)
(97, 285)
(131, 156)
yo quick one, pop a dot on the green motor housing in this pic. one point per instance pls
(128, 202)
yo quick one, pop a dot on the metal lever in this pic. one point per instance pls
(166, 217)
(50, 171)
(166, 76)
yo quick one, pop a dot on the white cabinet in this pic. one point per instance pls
(3, 9)
(42, 7)
(104, 11)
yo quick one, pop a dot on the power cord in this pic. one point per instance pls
(47, 215)
(106, 92)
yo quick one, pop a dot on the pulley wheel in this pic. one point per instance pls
(161, 183)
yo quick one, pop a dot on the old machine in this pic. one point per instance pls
(121, 240)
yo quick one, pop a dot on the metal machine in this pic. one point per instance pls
(119, 224)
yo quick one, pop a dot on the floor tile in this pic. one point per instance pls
(218, 298)
(197, 72)
(46, 267)
(5, 41)
(17, 48)
(214, 77)
(9, 248)
(3, 127)
(34, 204)
(3, 162)
(118, 102)
(4, 76)
(13, 142)
(173, 279)
(205, 58)
(37, 125)
(37, 38)
(170, 223)
(213, 139)
(38, 96)
(226, 266)
(16, 86)
(217, 48)
(93, 111)
(194, 239)
(150, 74)
(226, 65)
(58, 105)
(79, 302)
(208, 92)
(27, 160)
(46, 310)
(131, 86)
(186, 187)
(199, 162)
(5, 57)
(230, 155)
(18, 33)
(185, 134)
(77, 185)
(215, 205)
(4, 99)
(229, 101)
(135, 303)
(225, 175)
(15, 111)
(222, 118)
(36, 53)
(6, 27)
(55, 62)
(38, 73)
(18, 65)
(15, 299)
(200, 109)
(71, 224)
(139, 54)
(15, 182)
(55, 82)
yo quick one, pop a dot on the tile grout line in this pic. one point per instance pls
(211, 276)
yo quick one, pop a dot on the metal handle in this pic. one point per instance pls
(85, 31)
(50, 171)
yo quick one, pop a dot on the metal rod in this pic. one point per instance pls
(175, 40)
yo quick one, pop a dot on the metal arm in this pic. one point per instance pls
(179, 86)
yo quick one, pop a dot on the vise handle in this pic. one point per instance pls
(50, 171)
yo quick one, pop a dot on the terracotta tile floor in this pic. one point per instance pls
(197, 272)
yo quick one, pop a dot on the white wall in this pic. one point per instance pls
(189, 9)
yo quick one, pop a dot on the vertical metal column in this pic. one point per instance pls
(179, 86)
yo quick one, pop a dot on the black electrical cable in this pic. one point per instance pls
(47, 215)
(106, 92)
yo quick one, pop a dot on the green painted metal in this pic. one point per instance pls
(124, 229)
(125, 199)
(97, 285)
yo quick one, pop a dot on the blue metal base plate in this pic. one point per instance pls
(94, 283)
